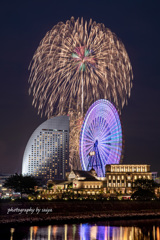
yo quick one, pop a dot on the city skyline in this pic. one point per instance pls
(24, 25)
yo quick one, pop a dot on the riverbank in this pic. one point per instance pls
(15, 213)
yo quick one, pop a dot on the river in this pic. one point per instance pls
(106, 230)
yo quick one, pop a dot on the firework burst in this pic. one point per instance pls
(77, 63)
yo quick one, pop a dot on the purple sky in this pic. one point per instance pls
(24, 24)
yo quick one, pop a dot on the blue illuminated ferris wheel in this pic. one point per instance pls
(101, 137)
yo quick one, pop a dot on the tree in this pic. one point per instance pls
(143, 194)
(145, 184)
(144, 189)
(50, 186)
(20, 183)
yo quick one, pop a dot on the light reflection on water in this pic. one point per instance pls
(143, 230)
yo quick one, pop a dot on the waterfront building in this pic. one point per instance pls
(85, 181)
(4, 192)
(118, 182)
(46, 155)
(79, 182)
(120, 178)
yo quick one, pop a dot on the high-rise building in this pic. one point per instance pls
(47, 152)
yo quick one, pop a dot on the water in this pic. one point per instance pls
(115, 230)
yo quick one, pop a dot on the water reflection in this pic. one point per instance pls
(142, 230)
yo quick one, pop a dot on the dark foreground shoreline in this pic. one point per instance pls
(16, 213)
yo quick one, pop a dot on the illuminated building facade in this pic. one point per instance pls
(4, 191)
(119, 181)
(120, 177)
(47, 152)
(86, 181)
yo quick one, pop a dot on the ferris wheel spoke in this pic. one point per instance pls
(89, 135)
(106, 151)
(89, 149)
(106, 133)
(114, 127)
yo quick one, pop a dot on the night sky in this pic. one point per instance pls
(22, 26)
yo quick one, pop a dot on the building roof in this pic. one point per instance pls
(89, 180)
(60, 181)
(85, 174)
(127, 164)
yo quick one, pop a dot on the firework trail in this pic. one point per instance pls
(76, 121)
(76, 64)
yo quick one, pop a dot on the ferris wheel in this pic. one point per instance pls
(101, 137)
